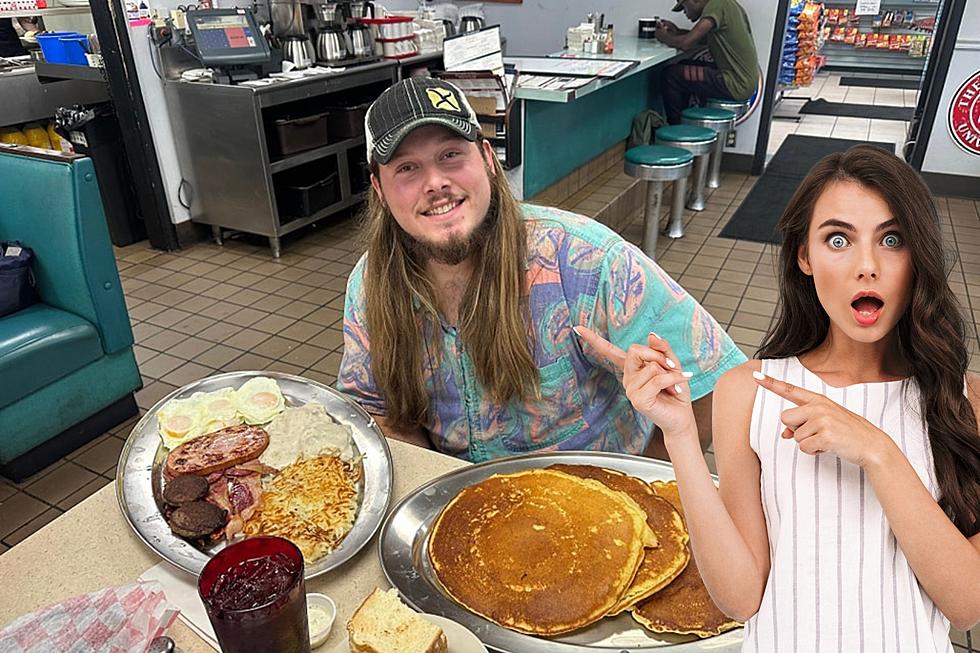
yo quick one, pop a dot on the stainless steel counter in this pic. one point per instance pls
(26, 99)
(221, 132)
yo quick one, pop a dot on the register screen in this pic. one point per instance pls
(219, 32)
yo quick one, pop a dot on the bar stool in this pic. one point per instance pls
(657, 164)
(720, 120)
(738, 106)
(698, 141)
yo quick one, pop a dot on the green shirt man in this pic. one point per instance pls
(724, 26)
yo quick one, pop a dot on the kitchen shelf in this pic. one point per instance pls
(298, 223)
(54, 11)
(47, 72)
(312, 155)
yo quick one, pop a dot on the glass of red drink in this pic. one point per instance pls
(255, 596)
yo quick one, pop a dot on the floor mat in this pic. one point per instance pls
(822, 107)
(880, 82)
(756, 218)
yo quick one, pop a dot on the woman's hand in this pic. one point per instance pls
(653, 380)
(820, 425)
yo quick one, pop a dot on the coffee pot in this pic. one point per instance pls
(362, 9)
(361, 43)
(298, 49)
(330, 46)
(469, 24)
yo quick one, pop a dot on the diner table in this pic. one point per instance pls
(92, 546)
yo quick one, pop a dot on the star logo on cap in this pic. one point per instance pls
(442, 99)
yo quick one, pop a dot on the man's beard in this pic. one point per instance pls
(458, 248)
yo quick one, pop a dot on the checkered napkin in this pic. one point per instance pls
(114, 620)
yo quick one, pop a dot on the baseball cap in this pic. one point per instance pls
(411, 103)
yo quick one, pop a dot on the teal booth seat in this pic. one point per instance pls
(67, 366)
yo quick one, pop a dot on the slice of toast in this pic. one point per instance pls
(383, 624)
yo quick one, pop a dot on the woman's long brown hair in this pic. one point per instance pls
(931, 333)
(403, 315)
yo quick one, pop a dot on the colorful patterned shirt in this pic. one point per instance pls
(578, 272)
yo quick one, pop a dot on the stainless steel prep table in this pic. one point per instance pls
(25, 98)
(222, 144)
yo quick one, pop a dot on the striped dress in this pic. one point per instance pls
(838, 581)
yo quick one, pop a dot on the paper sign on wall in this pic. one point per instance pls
(867, 7)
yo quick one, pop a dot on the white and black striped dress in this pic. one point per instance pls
(838, 581)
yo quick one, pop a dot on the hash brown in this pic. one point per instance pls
(539, 551)
(312, 502)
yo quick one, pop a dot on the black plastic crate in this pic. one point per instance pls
(292, 135)
(347, 121)
(303, 191)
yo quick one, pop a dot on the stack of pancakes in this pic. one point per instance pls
(684, 606)
(549, 551)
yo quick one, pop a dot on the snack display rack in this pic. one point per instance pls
(801, 43)
(896, 40)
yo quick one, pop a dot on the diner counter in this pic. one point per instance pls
(92, 547)
(646, 52)
(565, 130)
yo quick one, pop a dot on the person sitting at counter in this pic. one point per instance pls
(724, 25)
(458, 319)
(847, 516)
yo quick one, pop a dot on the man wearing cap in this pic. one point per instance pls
(458, 319)
(724, 25)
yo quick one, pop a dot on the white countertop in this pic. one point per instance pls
(646, 52)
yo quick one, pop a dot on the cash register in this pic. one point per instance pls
(229, 41)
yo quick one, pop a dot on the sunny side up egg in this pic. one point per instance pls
(259, 400)
(179, 420)
(219, 409)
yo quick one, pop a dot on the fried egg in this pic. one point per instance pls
(259, 400)
(218, 409)
(179, 420)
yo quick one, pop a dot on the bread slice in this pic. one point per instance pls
(383, 624)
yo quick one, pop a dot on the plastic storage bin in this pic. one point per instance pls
(53, 48)
(302, 193)
(292, 135)
(75, 48)
(347, 122)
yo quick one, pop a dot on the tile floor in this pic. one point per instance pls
(208, 309)
(827, 87)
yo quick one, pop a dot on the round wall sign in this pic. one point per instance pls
(964, 115)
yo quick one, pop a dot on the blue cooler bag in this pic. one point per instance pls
(16, 278)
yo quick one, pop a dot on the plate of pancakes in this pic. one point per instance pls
(288, 492)
(556, 553)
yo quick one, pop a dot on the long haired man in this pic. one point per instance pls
(458, 319)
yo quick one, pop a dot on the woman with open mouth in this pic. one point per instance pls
(848, 512)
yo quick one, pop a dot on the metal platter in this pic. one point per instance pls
(139, 480)
(404, 542)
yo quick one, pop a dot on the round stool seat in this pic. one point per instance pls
(696, 140)
(658, 155)
(738, 106)
(685, 134)
(707, 113)
(720, 120)
(658, 162)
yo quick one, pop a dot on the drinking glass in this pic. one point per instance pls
(255, 596)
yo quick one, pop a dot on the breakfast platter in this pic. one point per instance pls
(416, 562)
(206, 433)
